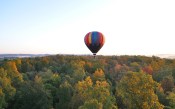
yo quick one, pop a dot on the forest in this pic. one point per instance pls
(82, 82)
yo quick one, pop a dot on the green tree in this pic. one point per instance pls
(162, 96)
(167, 83)
(78, 72)
(26, 66)
(171, 98)
(91, 104)
(160, 74)
(173, 74)
(2, 99)
(51, 83)
(65, 93)
(135, 66)
(32, 95)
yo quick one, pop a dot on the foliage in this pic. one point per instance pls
(91, 104)
(7, 90)
(64, 94)
(100, 92)
(171, 98)
(137, 91)
(82, 82)
(167, 83)
(32, 96)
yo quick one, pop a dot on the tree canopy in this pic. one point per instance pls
(82, 82)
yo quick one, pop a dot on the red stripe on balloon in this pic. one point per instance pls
(87, 39)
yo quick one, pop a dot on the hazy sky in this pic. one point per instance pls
(139, 27)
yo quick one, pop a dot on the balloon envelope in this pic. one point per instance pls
(94, 41)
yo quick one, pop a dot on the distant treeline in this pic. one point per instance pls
(12, 56)
(82, 82)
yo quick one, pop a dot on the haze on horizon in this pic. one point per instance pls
(131, 27)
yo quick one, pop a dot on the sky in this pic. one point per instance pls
(130, 27)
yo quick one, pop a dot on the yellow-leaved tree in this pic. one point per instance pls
(89, 94)
(137, 91)
(7, 90)
(99, 75)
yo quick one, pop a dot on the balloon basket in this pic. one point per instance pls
(94, 55)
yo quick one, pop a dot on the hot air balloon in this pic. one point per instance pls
(94, 41)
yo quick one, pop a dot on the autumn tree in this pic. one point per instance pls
(137, 91)
(148, 69)
(99, 75)
(92, 104)
(12, 72)
(97, 94)
(157, 63)
(80, 95)
(7, 90)
(18, 63)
